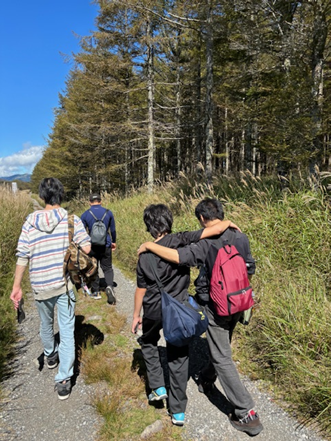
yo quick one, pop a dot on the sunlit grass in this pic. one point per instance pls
(14, 209)
(288, 341)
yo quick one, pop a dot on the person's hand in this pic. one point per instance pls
(232, 225)
(16, 296)
(113, 246)
(142, 248)
(136, 324)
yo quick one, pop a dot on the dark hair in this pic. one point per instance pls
(158, 219)
(210, 209)
(51, 191)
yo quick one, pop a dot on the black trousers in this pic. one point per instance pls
(104, 256)
(178, 363)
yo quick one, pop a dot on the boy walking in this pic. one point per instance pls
(102, 251)
(42, 245)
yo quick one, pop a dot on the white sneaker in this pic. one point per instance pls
(96, 296)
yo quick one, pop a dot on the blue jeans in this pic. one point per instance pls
(66, 322)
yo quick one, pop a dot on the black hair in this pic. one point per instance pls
(210, 209)
(51, 191)
(158, 219)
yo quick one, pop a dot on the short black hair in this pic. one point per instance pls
(51, 191)
(158, 219)
(210, 209)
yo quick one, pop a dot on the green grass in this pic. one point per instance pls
(14, 209)
(287, 344)
(288, 341)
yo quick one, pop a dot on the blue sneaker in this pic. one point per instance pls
(178, 419)
(158, 394)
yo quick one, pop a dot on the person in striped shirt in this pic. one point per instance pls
(42, 246)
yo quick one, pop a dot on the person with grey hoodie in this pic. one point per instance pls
(42, 246)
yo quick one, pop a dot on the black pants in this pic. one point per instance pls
(178, 363)
(104, 256)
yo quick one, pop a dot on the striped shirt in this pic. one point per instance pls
(43, 244)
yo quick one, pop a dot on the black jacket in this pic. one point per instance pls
(203, 255)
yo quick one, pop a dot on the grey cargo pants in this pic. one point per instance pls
(219, 334)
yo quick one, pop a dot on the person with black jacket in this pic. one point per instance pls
(220, 329)
(158, 220)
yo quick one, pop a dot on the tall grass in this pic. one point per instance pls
(288, 341)
(14, 209)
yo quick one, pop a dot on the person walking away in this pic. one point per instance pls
(158, 220)
(42, 245)
(219, 333)
(100, 224)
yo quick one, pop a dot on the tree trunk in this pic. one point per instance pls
(151, 140)
(178, 110)
(209, 91)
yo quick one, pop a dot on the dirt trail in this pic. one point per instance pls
(31, 411)
(206, 417)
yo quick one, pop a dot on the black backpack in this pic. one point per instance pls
(98, 232)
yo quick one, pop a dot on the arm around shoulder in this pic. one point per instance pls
(165, 253)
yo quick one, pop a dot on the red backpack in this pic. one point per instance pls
(230, 289)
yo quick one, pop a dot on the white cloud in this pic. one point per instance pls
(21, 162)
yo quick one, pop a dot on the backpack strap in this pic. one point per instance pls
(104, 214)
(71, 227)
(152, 262)
(90, 211)
(71, 230)
(71, 237)
(227, 238)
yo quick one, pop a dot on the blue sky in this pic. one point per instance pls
(33, 35)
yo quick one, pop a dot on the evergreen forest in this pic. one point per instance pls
(206, 89)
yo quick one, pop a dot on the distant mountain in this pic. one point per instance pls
(25, 178)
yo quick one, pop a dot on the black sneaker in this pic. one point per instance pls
(52, 361)
(63, 389)
(249, 424)
(110, 296)
(205, 386)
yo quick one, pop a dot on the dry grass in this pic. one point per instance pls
(14, 209)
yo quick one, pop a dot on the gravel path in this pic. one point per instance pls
(206, 418)
(31, 411)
